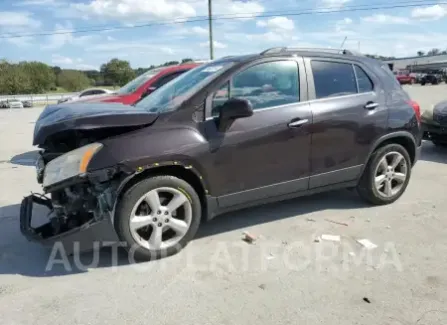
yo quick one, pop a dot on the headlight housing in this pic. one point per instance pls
(71, 164)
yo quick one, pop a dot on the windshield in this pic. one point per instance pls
(172, 94)
(133, 85)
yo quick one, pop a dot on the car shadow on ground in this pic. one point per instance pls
(18, 256)
(25, 159)
(433, 153)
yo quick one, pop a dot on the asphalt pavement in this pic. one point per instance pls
(285, 277)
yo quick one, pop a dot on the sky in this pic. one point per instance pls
(262, 24)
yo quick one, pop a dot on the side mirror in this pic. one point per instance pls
(232, 109)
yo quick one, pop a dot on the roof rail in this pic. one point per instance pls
(301, 49)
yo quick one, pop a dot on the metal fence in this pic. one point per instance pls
(38, 99)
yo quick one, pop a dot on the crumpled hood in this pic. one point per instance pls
(87, 116)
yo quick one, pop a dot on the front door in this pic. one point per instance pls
(349, 113)
(266, 154)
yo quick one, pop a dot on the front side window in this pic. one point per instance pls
(264, 85)
(333, 79)
(268, 84)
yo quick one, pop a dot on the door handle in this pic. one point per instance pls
(371, 105)
(298, 123)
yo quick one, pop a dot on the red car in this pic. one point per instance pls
(405, 77)
(144, 85)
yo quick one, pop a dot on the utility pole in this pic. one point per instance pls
(210, 21)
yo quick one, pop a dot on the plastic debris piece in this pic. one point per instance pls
(366, 300)
(317, 240)
(337, 222)
(270, 257)
(247, 237)
(367, 243)
(351, 254)
(310, 219)
(330, 237)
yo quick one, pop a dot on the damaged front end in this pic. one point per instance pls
(80, 203)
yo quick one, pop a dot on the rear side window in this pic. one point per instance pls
(333, 79)
(363, 81)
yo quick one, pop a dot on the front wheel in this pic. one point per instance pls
(158, 217)
(386, 175)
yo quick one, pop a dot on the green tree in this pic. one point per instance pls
(73, 80)
(14, 79)
(117, 72)
(420, 53)
(42, 77)
(433, 52)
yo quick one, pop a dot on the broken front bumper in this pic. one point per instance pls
(92, 235)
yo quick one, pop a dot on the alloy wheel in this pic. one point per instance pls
(160, 218)
(391, 174)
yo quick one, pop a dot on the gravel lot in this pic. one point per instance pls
(284, 278)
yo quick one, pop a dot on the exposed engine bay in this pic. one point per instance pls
(79, 203)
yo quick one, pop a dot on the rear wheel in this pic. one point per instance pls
(158, 217)
(386, 175)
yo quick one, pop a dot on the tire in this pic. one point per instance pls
(422, 83)
(135, 194)
(366, 186)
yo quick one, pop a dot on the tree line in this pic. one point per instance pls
(32, 77)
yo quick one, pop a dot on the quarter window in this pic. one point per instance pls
(363, 81)
(333, 79)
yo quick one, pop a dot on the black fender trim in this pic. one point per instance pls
(154, 167)
(386, 137)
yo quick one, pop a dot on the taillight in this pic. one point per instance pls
(416, 108)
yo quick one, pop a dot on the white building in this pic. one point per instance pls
(418, 62)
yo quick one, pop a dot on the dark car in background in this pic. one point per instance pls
(236, 132)
(432, 77)
(434, 124)
(145, 84)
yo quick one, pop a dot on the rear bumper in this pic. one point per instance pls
(91, 235)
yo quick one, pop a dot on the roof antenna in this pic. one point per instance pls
(343, 43)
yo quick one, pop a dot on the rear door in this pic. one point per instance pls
(349, 113)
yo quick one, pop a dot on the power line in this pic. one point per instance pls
(265, 14)
(189, 19)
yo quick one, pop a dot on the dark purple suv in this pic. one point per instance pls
(232, 133)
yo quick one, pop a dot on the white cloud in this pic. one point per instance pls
(277, 23)
(12, 19)
(246, 9)
(334, 4)
(386, 19)
(216, 44)
(71, 63)
(199, 30)
(64, 36)
(131, 10)
(58, 59)
(430, 13)
(26, 3)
